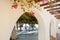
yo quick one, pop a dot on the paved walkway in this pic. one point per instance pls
(28, 37)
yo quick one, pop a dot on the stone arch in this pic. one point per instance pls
(43, 21)
(27, 14)
(53, 27)
(41, 24)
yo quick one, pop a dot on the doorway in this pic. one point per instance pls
(27, 27)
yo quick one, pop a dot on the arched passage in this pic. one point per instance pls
(28, 27)
(53, 28)
(43, 22)
(41, 33)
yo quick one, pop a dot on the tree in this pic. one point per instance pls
(27, 18)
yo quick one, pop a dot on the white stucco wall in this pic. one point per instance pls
(43, 30)
(9, 16)
(58, 20)
(53, 26)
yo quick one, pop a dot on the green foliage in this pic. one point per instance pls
(27, 18)
(58, 27)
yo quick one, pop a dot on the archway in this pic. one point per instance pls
(44, 28)
(53, 28)
(27, 27)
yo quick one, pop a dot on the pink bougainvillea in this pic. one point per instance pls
(15, 5)
(32, 13)
(44, 1)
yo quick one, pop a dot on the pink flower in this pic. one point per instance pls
(32, 13)
(15, 5)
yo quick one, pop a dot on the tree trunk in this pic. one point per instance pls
(20, 28)
(32, 25)
(17, 25)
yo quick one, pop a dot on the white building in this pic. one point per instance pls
(9, 16)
